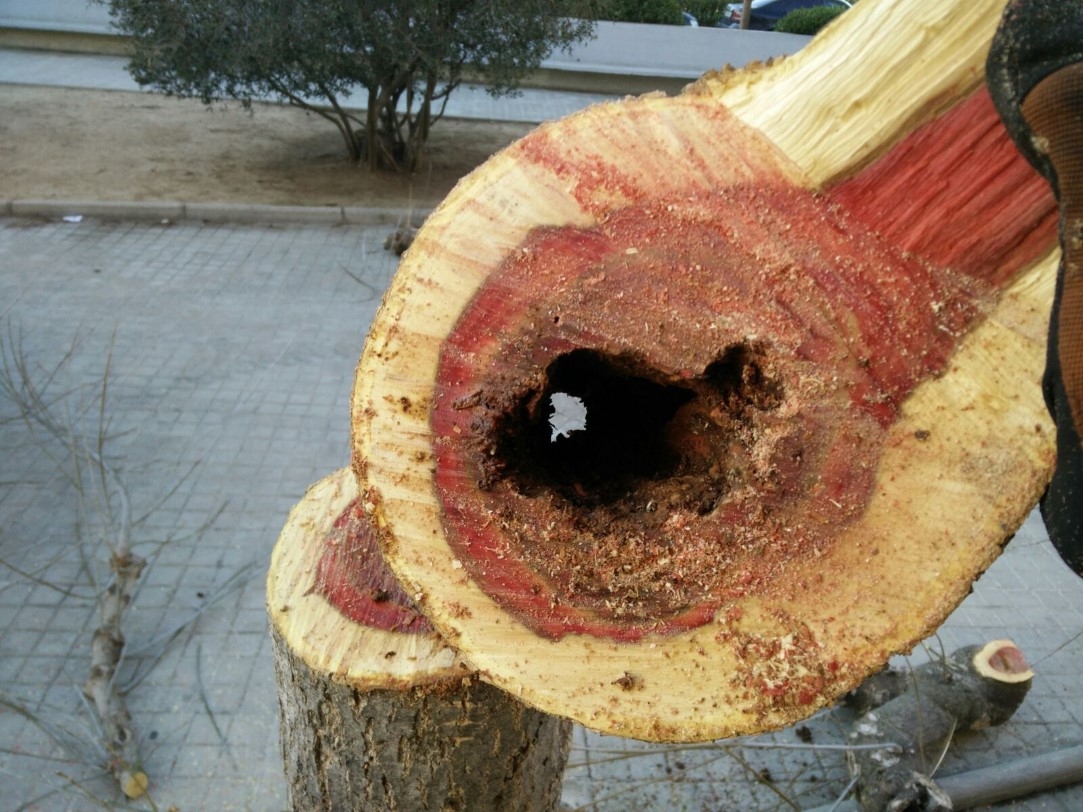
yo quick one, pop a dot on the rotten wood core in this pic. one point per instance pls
(735, 358)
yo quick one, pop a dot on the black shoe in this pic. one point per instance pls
(1035, 77)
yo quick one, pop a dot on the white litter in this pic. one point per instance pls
(569, 414)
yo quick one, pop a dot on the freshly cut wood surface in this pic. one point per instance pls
(323, 637)
(958, 462)
(866, 81)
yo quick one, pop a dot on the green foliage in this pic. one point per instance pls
(659, 12)
(808, 20)
(402, 57)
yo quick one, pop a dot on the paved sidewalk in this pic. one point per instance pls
(231, 365)
(232, 356)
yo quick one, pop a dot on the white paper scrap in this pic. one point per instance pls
(569, 414)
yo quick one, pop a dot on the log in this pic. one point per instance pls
(974, 688)
(376, 711)
(682, 415)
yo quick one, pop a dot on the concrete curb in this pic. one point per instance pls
(210, 212)
(257, 213)
(111, 209)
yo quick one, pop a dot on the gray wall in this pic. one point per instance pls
(77, 16)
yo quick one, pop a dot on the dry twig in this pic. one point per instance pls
(98, 481)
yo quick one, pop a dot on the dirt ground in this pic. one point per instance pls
(64, 144)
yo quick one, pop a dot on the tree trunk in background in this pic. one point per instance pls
(386, 719)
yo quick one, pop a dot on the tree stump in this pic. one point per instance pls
(682, 415)
(377, 712)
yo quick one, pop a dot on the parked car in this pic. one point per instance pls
(767, 13)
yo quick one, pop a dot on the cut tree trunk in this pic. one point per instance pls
(682, 415)
(377, 713)
(974, 688)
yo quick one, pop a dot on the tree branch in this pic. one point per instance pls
(975, 687)
(339, 118)
(100, 688)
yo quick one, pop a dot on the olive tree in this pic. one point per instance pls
(403, 58)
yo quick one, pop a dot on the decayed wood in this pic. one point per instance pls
(974, 688)
(378, 719)
(965, 448)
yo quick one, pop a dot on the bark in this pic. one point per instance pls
(976, 687)
(106, 649)
(803, 309)
(379, 719)
(452, 745)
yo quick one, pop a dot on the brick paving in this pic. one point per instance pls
(232, 355)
